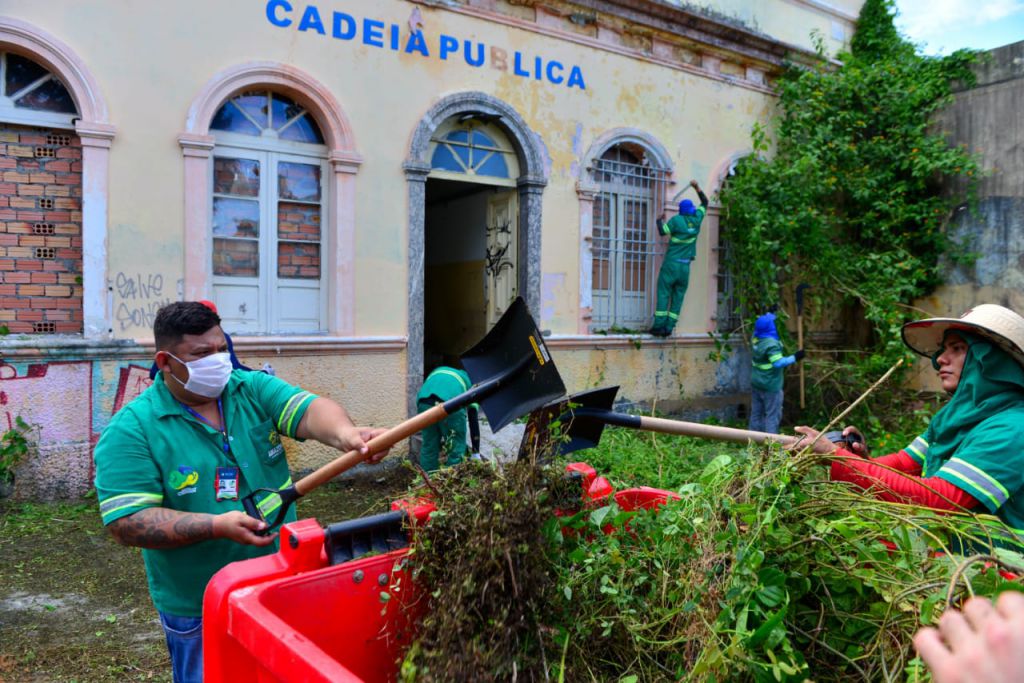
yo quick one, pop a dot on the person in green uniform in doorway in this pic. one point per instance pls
(682, 231)
(173, 466)
(448, 435)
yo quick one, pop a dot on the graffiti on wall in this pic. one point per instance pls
(137, 299)
(70, 402)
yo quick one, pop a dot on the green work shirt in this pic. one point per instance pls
(764, 376)
(444, 383)
(155, 454)
(986, 468)
(682, 231)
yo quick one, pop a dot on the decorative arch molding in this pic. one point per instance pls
(721, 171)
(96, 133)
(197, 145)
(530, 184)
(617, 136)
(587, 189)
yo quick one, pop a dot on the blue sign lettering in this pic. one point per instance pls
(373, 32)
(311, 20)
(280, 13)
(272, 17)
(344, 26)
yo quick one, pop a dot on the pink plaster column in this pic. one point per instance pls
(586, 192)
(712, 287)
(342, 219)
(197, 151)
(96, 140)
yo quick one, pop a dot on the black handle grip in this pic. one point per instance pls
(846, 441)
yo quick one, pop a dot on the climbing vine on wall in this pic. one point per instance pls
(847, 195)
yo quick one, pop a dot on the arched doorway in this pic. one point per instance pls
(475, 177)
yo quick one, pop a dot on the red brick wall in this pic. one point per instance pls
(40, 230)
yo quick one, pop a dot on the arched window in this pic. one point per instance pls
(625, 248)
(33, 95)
(470, 148)
(41, 209)
(268, 205)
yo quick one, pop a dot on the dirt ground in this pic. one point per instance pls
(74, 605)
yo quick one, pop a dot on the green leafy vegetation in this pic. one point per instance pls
(762, 570)
(845, 194)
(14, 446)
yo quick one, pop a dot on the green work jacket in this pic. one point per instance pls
(682, 231)
(155, 454)
(764, 376)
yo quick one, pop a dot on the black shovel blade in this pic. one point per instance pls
(565, 426)
(513, 344)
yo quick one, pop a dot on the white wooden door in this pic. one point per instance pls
(501, 262)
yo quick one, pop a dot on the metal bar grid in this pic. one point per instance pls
(626, 251)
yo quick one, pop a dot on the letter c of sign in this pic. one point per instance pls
(272, 8)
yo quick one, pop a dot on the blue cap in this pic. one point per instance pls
(686, 208)
(765, 327)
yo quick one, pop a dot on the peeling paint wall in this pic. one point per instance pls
(986, 119)
(572, 79)
(71, 401)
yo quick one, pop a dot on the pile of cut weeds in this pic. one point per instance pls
(484, 559)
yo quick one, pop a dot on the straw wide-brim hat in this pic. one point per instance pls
(1000, 325)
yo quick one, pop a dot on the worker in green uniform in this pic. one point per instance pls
(173, 466)
(682, 231)
(448, 435)
(766, 375)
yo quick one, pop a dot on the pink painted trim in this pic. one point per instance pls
(96, 133)
(197, 146)
(61, 59)
(306, 90)
(585, 191)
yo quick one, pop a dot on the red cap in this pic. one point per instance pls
(209, 304)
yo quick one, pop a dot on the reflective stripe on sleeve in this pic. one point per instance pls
(977, 480)
(291, 409)
(764, 366)
(917, 450)
(124, 501)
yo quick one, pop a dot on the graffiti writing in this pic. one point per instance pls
(141, 296)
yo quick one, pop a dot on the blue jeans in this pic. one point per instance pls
(765, 411)
(185, 643)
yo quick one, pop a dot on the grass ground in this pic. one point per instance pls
(74, 605)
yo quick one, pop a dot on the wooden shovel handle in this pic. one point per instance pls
(377, 444)
(702, 431)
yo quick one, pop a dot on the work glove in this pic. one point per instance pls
(799, 355)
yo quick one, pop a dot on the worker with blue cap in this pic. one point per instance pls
(766, 376)
(682, 231)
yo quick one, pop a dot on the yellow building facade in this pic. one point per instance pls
(362, 186)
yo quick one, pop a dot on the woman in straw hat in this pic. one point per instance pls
(972, 455)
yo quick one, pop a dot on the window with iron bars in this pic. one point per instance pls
(626, 252)
(728, 318)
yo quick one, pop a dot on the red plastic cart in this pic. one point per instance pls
(324, 610)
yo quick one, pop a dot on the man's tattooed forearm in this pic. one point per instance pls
(162, 528)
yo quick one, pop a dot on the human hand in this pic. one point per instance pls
(822, 445)
(352, 438)
(694, 184)
(981, 644)
(241, 528)
(799, 355)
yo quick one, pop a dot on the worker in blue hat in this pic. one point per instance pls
(766, 376)
(682, 231)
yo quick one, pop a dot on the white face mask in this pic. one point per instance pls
(207, 376)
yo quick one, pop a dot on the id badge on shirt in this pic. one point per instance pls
(227, 483)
